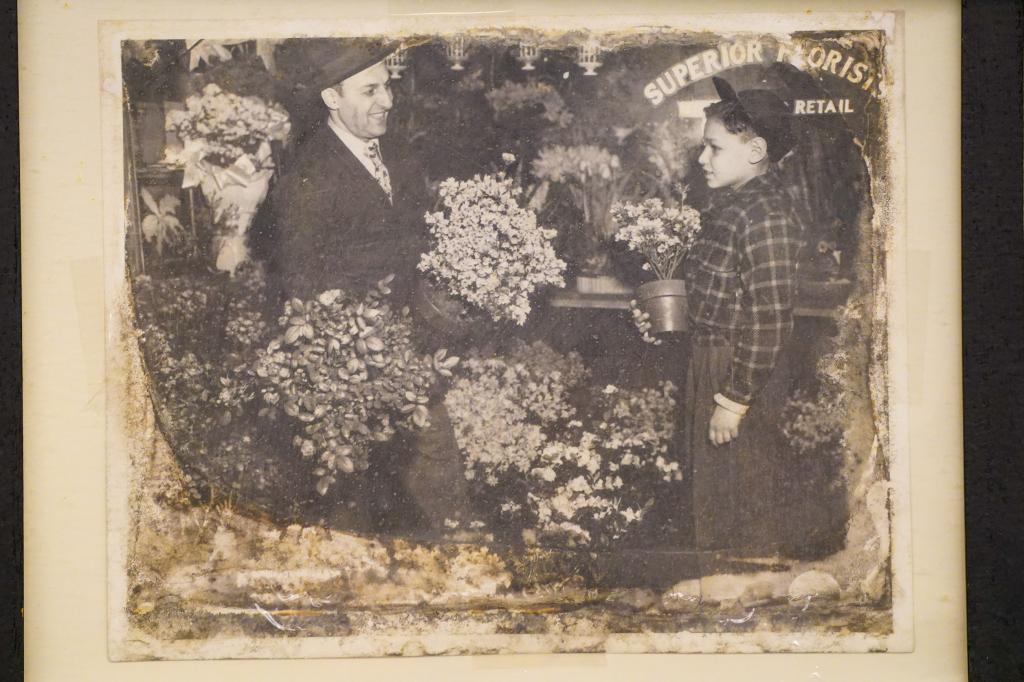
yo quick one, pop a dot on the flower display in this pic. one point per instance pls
(578, 473)
(578, 163)
(488, 250)
(499, 406)
(175, 317)
(334, 375)
(511, 98)
(597, 485)
(812, 422)
(222, 128)
(347, 370)
(593, 176)
(226, 152)
(661, 234)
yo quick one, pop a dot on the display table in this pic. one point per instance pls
(814, 298)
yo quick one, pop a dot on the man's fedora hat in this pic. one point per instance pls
(345, 57)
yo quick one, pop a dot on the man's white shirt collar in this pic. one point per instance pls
(355, 145)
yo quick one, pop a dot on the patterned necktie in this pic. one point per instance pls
(380, 172)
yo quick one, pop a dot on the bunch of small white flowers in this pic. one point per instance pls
(582, 473)
(491, 426)
(661, 234)
(500, 405)
(488, 250)
(226, 127)
(640, 424)
(577, 495)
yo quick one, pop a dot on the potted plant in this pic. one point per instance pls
(487, 252)
(662, 235)
(346, 370)
(595, 179)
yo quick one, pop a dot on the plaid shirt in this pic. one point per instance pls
(741, 279)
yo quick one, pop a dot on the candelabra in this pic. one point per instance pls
(396, 63)
(455, 48)
(588, 56)
(528, 54)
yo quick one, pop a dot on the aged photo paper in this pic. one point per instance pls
(488, 334)
(316, 460)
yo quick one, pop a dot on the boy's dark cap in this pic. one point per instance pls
(345, 57)
(768, 114)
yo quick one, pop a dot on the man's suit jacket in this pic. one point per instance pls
(334, 227)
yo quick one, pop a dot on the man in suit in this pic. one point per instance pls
(348, 211)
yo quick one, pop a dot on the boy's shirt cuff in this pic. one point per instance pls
(731, 405)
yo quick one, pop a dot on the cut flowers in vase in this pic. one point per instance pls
(594, 177)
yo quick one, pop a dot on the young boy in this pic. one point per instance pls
(740, 283)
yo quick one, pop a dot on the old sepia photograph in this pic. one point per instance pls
(506, 335)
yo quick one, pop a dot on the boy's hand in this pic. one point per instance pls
(725, 425)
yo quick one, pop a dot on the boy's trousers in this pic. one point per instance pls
(755, 495)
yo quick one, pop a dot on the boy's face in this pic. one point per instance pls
(729, 160)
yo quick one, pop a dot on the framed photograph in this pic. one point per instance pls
(487, 332)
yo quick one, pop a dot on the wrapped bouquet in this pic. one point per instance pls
(226, 152)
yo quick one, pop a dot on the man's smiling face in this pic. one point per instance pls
(362, 102)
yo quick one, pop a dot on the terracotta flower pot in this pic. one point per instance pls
(665, 301)
(441, 312)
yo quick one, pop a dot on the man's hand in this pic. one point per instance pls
(725, 426)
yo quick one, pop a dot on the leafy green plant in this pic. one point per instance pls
(161, 225)
(347, 370)
(335, 376)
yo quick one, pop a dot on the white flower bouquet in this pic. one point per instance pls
(488, 250)
(226, 152)
(661, 234)
(225, 130)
